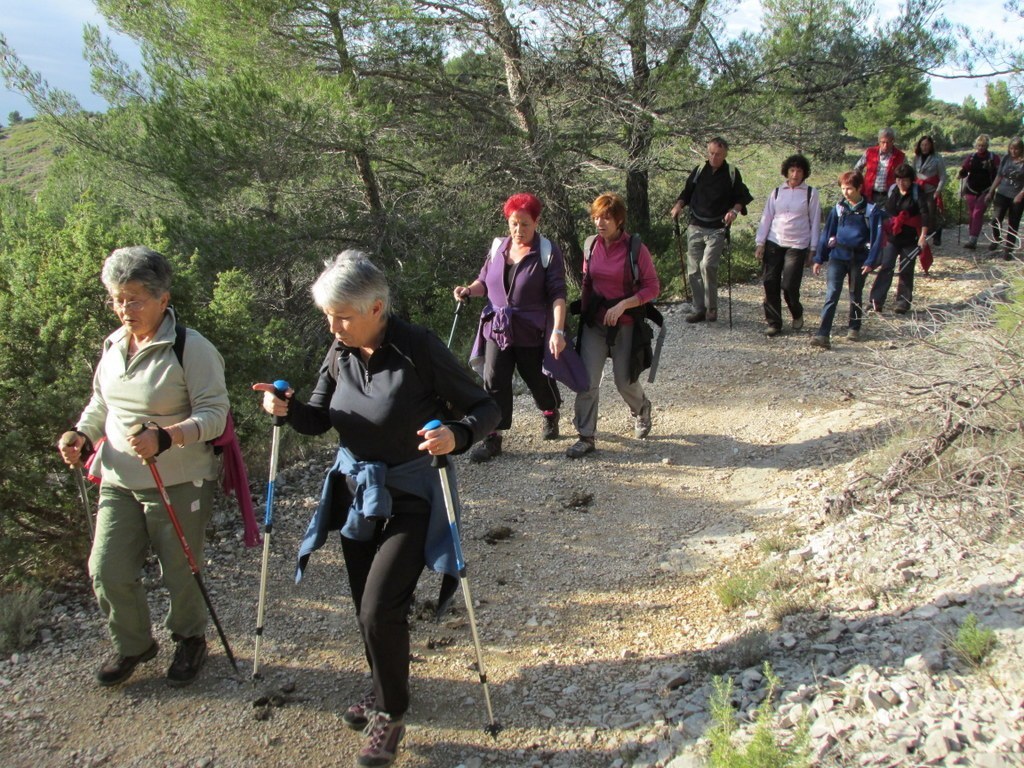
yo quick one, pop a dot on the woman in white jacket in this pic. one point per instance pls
(786, 241)
(139, 380)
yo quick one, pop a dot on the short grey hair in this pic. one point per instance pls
(137, 263)
(351, 279)
(720, 142)
(982, 139)
(888, 133)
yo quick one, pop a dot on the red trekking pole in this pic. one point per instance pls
(151, 463)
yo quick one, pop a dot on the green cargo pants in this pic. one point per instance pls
(128, 523)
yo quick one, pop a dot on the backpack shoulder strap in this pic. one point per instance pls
(179, 343)
(496, 247)
(588, 247)
(545, 251)
(634, 252)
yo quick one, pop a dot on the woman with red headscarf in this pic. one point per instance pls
(523, 279)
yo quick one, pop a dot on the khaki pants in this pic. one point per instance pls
(128, 524)
(704, 251)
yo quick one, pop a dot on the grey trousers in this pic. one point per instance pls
(704, 251)
(594, 351)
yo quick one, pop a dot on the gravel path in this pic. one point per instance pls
(593, 581)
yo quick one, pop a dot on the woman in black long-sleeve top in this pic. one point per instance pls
(382, 380)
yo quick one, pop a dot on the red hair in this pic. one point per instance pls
(852, 178)
(523, 201)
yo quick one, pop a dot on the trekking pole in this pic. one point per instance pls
(441, 463)
(959, 211)
(449, 584)
(682, 257)
(151, 463)
(67, 439)
(458, 308)
(728, 264)
(280, 388)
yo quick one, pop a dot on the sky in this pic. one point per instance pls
(47, 36)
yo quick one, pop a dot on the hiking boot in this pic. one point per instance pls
(900, 309)
(188, 659)
(821, 342)
(119, 668)
(853, 335)
(696, 317)
(993, 246)
(712, 315)
(971, 244)
(771, 331)
(642, 422)
(798, 323)
(358, 715)
(488, 448)
(550, 430)
(382, 737)
(580, 448)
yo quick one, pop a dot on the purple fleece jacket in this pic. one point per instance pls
(519, 316)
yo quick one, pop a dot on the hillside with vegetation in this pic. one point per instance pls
(27, 150)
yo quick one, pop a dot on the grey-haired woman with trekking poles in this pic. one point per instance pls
(381, 382)
(139, 380)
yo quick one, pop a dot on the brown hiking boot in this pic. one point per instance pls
(382, 738)
(358, 715)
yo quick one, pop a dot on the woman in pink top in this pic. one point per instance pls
(612, 302)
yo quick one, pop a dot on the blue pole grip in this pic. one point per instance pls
(280, 388)
(438, 461)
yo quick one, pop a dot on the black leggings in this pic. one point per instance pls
(382, 574)
(1004, 207)
(500, 364)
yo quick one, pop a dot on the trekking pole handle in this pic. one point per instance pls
(675, 225)
(68, 439)
(141, 427)
(441, 460)
(135, 431)
(281, 388)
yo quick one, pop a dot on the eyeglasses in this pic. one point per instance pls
(126, 306)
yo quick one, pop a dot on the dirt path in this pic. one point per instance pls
(601, 592)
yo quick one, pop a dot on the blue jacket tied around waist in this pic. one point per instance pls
(371, 502)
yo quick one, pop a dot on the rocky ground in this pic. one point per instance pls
(595, 588)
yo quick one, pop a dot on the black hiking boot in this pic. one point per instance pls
(119, 668)
(188, 659)
(550, 429)
(580, 448)
(642, 421)
(488, 448)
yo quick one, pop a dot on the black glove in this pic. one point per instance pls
(163, 438)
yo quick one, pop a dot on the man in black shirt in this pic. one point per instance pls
(716, 195)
